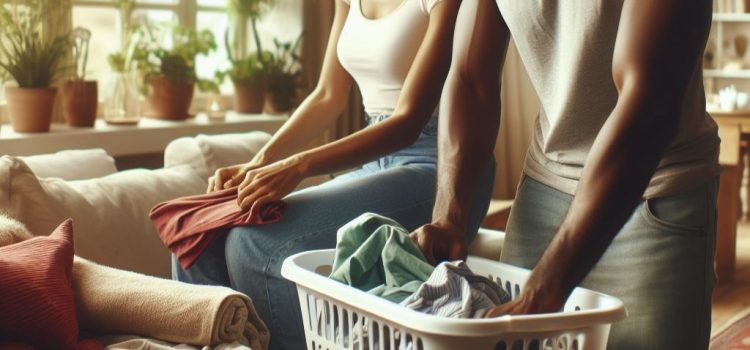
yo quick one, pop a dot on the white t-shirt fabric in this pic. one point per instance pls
(378, 53)
(567, 48)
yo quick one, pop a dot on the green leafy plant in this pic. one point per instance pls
(246, 68)
(176, 63)
(120, 61)
(282, 71)
(29, 56)
(284, 62)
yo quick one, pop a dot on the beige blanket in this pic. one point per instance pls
(115, 301)
(122, 302)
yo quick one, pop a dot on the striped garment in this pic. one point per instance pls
(454, 291)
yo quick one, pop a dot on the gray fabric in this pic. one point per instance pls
(660, 264)
(453, 290)
(567, 48)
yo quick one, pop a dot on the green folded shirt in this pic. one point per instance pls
(376, 254)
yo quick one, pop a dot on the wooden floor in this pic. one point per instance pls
(731, 299)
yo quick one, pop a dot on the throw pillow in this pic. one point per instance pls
(206, 153)
(37, 304)
(111, 213)
(72, 164)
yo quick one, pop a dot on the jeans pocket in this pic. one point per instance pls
(682, 223)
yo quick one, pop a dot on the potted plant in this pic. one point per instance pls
(246, 71)
(121, 97)
(79, 96)
(282, 71)
(33, 60)
(167, 75)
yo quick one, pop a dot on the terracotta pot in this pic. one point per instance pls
(30, 110)
(168, 99)
(248, 97)
(280, 95)
(80, 100)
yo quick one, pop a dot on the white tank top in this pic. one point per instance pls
(378, 53)
(567, 48)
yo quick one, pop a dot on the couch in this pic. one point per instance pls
(110, 208)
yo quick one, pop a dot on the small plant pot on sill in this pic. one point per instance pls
(80, 100)
(248, 97)
(280, 96)
(30, 110)
(169, 100)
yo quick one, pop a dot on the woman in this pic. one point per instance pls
(398, 52)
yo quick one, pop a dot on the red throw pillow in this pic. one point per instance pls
(36, 297)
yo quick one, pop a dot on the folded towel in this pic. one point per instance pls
(188, 225)
(114, 301)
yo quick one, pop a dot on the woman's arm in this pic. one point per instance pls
(416, 104)
(316, 113)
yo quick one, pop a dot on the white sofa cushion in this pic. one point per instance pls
(110, 214)
(206, 153)
(72, 164)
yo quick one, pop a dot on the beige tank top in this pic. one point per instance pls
(567, 48)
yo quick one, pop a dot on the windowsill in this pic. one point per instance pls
(148, 137)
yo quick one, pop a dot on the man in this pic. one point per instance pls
(619, 191)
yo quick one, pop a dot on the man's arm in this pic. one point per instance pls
(658, 47)
(469, 122)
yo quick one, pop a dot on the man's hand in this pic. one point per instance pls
(535, 299)
(441, 242)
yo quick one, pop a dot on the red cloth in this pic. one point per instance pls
(36, 297)
(188, 225)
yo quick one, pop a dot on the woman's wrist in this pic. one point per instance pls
(303, 163)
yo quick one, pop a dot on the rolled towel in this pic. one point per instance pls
(114, 301)
(12, 231)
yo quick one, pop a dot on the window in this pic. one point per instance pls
(103, 19)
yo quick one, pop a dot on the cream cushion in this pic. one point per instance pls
(110, 214)
(72, 164)
(206, 153)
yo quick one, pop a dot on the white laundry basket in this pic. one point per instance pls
(337, 316)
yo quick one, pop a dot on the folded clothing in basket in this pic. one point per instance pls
(189, 225)
(453, 290)
(376, 254)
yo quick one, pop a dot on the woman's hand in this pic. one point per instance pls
(229, 177)
(270, 183)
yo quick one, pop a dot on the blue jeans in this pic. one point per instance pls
(400, 186)
(660, 264)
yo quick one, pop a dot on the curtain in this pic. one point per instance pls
(519, 110)
(318, 20)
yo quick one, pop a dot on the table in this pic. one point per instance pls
(734, 130)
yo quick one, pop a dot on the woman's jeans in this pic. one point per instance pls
(400, 186)
(660, 264)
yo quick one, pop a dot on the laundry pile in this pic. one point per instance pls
(376, 254)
